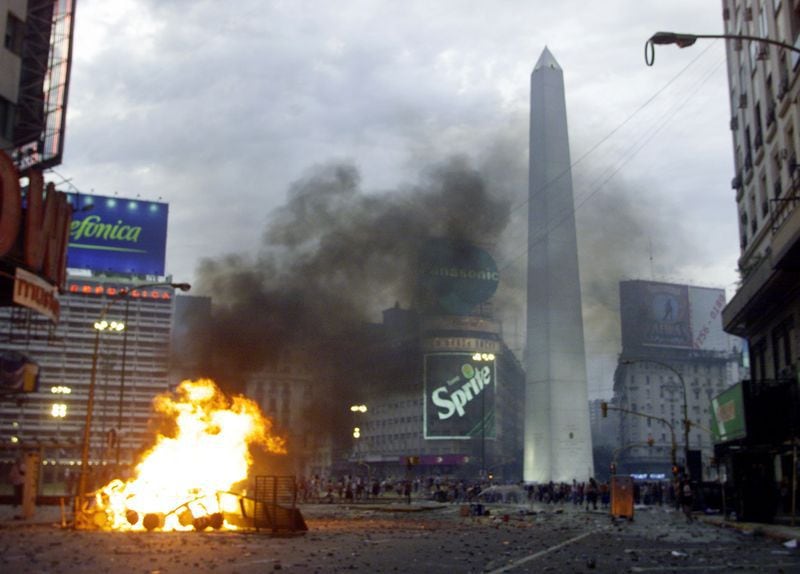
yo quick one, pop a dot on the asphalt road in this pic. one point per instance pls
(346, 539)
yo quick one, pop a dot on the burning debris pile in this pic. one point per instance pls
(184, 481)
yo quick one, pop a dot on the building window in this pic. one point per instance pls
(759, 136)
(7, 112)
(794, 26)
(758, 360)
(782, 347)
(15, 31)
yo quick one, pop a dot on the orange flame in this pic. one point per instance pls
(183, 477)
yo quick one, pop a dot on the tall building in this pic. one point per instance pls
(557, 437)
(765, 128)
(431, 390)
(35, 62)
(675, 358)
(132, 367)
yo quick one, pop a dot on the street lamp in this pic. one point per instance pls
(686, 423)
(356, 429)
(685, 40)
(100, 325)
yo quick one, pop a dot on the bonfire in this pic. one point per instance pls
(186, 480)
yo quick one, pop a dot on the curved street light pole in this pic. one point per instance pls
(87, 428)
(685, 40)
(686, 422)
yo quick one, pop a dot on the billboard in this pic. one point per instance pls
(727, 411)
(117, 235)
(45, 52)
(705, 310)
(655, 314)
(459, 395)
(18, 374)
(455, 276)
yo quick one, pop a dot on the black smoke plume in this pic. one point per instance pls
(331, 259)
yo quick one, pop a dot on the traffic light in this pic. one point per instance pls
(650, 441)
(613, 468)
(676, 470)
(604, 409)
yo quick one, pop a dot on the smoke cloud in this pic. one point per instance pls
(330, 260)
(335, 255)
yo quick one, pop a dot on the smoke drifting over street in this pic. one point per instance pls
(333, 257)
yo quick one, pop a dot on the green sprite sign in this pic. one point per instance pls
(728, 414)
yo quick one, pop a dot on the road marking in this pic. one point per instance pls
(521, 561)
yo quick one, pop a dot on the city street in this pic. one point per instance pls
(394, 538)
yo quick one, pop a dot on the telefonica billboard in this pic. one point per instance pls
(118, 235)
(459, 395)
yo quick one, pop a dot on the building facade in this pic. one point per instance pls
(132, 367)
(675, 358)
(396, 427)
(765, 126)
(653, 385)
(765, 129)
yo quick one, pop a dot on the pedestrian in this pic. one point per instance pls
(687, 500)
(591, 494)
(17, 478)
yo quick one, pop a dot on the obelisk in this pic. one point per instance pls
(558, 443)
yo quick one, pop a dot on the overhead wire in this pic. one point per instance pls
(628, 155)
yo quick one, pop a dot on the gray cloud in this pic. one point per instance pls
(219, 111)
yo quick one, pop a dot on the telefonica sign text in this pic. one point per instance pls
(93, 227)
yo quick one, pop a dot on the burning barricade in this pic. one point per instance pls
(186, 480)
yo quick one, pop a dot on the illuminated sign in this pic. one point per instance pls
(459, 397)
(118, 235)
(156, 294)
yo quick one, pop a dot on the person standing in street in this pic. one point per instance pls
(591, 494)
(17, 478)
(687, 500)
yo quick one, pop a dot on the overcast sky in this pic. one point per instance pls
(217, 107)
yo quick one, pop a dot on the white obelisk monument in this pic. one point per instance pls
(558, 442)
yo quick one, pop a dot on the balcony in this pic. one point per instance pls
(785, 242)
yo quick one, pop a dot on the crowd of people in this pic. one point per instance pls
(592, 493)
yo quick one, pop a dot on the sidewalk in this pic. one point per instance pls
(43, 515)
(779, 532)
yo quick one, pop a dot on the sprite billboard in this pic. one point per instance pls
(727, 410)
(460, 390)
